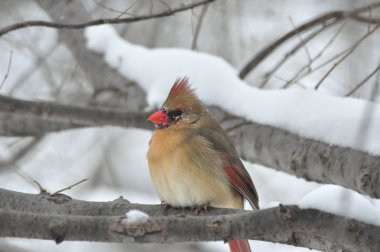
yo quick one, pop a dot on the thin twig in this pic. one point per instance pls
(38, 62)
(325, 63)
(121, 13)
(166, 5)
(363, 81)
(270, 73)
(40, 187)
(24, 151)
(345, 56)
(66, 77)
(370, 17)
(303, 42)
(151, 7)
(287, 81)
(328, 18)
(8, 70)
(49, 24)
(69, 187)
(198, 27)
(328, 44)
(126, 10)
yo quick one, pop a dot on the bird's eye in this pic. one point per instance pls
(174, 114)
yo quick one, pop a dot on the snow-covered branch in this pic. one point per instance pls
(270, 146)
(60, 218)
(306, 158)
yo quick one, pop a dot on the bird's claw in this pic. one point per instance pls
(165, 207)
(197, 209)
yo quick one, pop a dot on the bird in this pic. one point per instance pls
(192, 162)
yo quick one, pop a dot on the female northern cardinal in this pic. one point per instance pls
(191, 160)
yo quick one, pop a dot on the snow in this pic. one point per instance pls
(114, 159)
(335, 120)
(275, 187)
(135, 217)
(337, 200)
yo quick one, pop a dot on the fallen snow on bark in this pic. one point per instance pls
(344, 202)
(346, 122)
(275, 187)
(135, 217)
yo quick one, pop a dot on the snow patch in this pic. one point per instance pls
(334, 120)
(344, 202)
(135, 217)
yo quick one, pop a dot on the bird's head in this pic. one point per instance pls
(181, 108)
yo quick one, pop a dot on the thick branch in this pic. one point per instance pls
(270, 146)
(55, 25)
(303, 157)
(327, 20)
(284, 224)
(24, 118)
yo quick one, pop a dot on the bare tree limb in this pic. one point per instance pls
(326, 19)
(27, 118)
(270, 146)
(60, 220)
(48, 24)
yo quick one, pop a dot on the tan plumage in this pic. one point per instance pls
(186, 171)
(191, 160)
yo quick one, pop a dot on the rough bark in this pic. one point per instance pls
(25, 118)
(60, 218)
(263, 144)
(306, 158)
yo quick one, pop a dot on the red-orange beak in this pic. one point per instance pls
(159, 118)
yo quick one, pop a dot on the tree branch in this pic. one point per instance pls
(270, 146)
(28, 118)
(326, 20)
(69, 219)
(55, 25)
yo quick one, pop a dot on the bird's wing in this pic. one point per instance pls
(234, 169)
(243, 185)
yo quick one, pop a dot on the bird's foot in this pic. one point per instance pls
(165, 207)
(197, 209)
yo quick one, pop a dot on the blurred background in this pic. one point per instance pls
(41, 63)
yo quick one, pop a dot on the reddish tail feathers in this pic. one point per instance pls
(239, 246)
